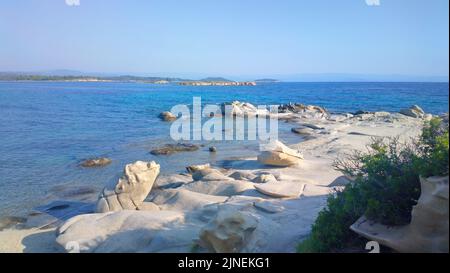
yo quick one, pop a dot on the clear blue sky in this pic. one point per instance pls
(226, 37)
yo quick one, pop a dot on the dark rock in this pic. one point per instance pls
(11, 221)
(169, 149)
(96, 162)
(167, 116)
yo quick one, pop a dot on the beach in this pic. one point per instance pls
(264, 208)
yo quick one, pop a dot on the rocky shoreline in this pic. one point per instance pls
(258, 204)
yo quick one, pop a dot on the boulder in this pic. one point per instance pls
(429, 227)
(212, 149)
(96, 162)
(228, 232)
(277, 159)
(237, 108)
(276, 153)
(265, 178)
(414, 112)
(167, 116)
(169, 149)
(131, 189)
(193, 168)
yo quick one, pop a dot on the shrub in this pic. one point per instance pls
(386, 186)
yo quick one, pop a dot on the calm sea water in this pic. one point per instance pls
(47, 128)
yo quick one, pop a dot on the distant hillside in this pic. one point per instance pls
(10, 76)
(266, 80)
(215, 79)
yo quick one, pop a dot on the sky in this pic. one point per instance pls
(241, 38)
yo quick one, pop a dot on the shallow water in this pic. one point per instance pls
(47, 128)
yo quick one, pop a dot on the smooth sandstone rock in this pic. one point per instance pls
(219, 187)
(414, 112)
(131, 189)
(209, 174)
(228, 232)
(276, 153)
(193, 168)
(183, 200)
(277, 159)
(243, 175)
(265, 178)
(429, 227)
(269, 207)
(281, 189)
(123, 231)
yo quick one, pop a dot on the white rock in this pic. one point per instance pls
(122, 231)
(218, 187)
(209, 175)
(181, 199)
(414, 111)
(265, 178)
(228, 232)
(242, 175)
(131, 189)
(194, 168)
(269, 207)
(281, 189)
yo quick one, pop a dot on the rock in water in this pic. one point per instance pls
(414, 111)
(228, 232)
(277, 154)
(96, 162)
(169, 149)
(429, 228)
(167, 116)
(212, 149)
(131, 189)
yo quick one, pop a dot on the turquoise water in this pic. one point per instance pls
(47, 128)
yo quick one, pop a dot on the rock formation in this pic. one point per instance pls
(429, 228)
(414, 112)
(132, 188)
(228, 232)
(277, 154)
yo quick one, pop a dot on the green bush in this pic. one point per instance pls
(385, 189)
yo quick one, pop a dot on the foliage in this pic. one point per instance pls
(386, 186)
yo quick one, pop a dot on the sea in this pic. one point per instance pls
(48, 128)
